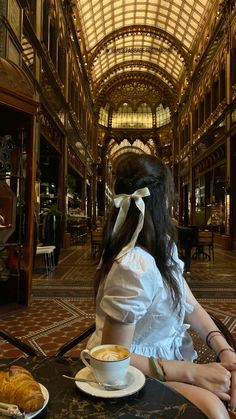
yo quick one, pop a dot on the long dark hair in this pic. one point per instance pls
(134, 172)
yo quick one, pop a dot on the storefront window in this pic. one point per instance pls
(210, 199)
(218, 198)
(199, 217)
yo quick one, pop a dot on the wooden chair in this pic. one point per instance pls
(205, 354)
(96, 242)
(18, 343)
(205, 240)
(27, 349)
(187, 239)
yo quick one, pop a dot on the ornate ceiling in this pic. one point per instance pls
(140, 50)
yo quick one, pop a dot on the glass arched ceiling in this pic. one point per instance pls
(184, 19)
(138, 47)
(134, 66)
(118, 35)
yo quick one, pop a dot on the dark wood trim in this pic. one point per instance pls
(21, 103)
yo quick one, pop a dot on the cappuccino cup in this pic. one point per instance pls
(109, 363)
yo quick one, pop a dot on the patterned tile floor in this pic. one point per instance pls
(63, 304)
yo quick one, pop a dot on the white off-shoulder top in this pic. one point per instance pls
(134, 292)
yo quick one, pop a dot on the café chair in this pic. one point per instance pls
(205, 354)
(205, 239)
(28, 349)
(18, 343)
(76, 340)
(96, 242)
(78, 234)
(187, 239)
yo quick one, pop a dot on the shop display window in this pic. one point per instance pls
(210, 199)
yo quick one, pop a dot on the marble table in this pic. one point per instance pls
(66, 401)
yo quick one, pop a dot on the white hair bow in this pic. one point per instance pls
(123, 202)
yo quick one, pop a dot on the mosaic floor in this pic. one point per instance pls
(63, 304)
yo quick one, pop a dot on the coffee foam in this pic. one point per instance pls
(110, 354)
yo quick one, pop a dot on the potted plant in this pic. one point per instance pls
(52, 228)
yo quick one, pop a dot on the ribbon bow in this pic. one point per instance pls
(123, 202)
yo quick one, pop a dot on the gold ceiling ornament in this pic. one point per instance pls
(148, 137)
(155, 92)
(134, 93)
(136, 65)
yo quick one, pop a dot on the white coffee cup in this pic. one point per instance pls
(109, 363)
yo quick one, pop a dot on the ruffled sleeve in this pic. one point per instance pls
(188, 307)
(130, 287)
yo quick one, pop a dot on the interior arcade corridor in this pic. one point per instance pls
(84, 83)
(63, 304)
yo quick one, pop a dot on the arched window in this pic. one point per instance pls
(103, 116)
(162, 116)
(125, 117)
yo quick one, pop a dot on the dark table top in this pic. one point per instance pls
(154, 400)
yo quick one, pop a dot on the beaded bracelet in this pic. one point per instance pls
(212, 336)
(156, 367)
(225, 349)
(208, 335)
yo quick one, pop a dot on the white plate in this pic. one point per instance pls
(135, 381)
(46, 398)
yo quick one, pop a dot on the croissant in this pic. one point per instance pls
(17, 386)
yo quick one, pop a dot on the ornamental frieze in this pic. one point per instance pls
(210, 121)
(212, 159)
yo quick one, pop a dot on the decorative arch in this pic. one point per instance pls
(155, 69)
(183, 52)
(157, 91)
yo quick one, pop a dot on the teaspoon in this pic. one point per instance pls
(105, 386)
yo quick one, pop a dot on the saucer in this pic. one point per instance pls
(134, 378)
(46, 398)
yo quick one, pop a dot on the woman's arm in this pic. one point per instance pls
(202, 323)
(214, 377)
(119, 333)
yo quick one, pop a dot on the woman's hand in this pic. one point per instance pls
(228, 357)
(233, 391)
(219, 378)
(215, 377)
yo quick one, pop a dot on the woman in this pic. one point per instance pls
(143, 301)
